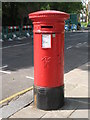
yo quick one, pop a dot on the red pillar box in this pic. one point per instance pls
(48, 58)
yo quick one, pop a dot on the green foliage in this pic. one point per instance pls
(88, 22)
(47, 7)
(84, 24)
(16, 13)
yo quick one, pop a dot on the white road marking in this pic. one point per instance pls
(30, 77)
(10, 39)
(78, 45)
(15, 46)
(1, 40)
(6, 72)
(81, 44)
(69, 47)
(28, 34)
(4, 66)
(85, 43)
(21, 38)
(14, 36)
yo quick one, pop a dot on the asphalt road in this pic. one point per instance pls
(17, 63)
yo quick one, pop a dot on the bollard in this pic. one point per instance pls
(48, 58)
(29, 28)
(25, 31)
(6, 32)
(10, 30)
(15, 31)
(20, 30)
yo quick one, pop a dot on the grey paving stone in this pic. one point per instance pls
(53, 114)
(29, 112)
(79, 91)
(68, 87)
(80, 112)
(78, 76)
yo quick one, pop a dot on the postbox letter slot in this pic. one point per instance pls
(46, 26)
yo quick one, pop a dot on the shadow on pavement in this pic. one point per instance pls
(78, 103)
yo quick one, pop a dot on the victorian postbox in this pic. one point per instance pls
(48, 58)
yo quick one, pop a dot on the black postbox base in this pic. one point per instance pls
(49, 98)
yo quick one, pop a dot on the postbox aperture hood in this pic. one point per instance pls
(51, 15)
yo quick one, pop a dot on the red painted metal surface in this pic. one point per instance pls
(49, 62)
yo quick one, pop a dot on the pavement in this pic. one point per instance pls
(76, 98)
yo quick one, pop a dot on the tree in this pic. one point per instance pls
(69, 7)
(16, 13)
(9, 13)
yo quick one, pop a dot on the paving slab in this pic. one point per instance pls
(79, 91)
(76, 82)
(29, 112)
(81, 111)
(68, 87)
(53, 114)
(79, 114)
(78, 76)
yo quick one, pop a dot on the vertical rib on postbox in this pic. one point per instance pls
(48, 58)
